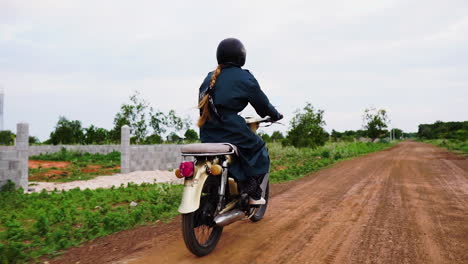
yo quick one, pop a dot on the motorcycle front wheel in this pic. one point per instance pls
(201, 235)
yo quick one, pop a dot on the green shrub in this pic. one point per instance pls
(307, 128)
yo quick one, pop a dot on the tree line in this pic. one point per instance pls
(306, 129)
(151, 126)
(147, 126)
(444, 130)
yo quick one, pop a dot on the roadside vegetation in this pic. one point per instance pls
(453, 145)
(452, 136)
(33, 225)
(65, 166)
(290, 163)
(444, 130)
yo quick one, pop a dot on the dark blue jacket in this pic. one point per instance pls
(234, 89)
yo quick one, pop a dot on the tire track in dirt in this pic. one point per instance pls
(407, 204)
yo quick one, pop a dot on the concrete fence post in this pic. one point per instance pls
(125, 149)
(22, 147)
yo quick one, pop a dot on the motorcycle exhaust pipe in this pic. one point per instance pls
(229, 217)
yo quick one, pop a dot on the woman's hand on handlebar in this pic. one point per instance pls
(278, 117)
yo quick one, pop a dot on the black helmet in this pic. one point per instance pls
(231, 51)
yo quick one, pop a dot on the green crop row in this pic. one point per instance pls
(33, 225)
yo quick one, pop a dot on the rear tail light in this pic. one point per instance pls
(186, 168)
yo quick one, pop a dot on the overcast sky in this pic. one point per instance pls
(82, 59)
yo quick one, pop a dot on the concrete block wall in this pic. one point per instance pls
(133, 157)
(14, 160)
(147, 157)
(154, 157)
(9, 166)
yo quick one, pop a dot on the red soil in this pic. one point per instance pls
(34, 164)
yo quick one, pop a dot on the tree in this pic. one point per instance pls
(335, 135)
(265, 137)
(173, 138)
(96, 135)
(140, 117)
(33, 140)
(7, 138)
(442, 130)
(133, 114)
(375, 121)
(398, 133)
(119, 121)
(410, 135)
(174, 121)
(153, 139)
(277, 136)
(191, 135)
(158, 121)
(307, 128)
(348, 135)
(67, 132)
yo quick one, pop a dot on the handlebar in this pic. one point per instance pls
(251, 120)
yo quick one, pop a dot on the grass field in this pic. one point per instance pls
(33, 225)
(289, 163)
(454, 145)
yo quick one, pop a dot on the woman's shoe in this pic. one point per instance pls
(260, 201)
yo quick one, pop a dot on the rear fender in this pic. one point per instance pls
(193, 187)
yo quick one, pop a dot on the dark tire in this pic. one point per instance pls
(201, 235)
(261, 211)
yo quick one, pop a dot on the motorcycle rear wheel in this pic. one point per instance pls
(201, 235)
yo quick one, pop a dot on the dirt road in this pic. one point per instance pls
(408, 204)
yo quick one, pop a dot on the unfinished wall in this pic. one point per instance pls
(14, 160)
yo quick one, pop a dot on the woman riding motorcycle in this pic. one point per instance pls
(223, 94)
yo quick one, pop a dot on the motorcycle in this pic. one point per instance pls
(212, 199)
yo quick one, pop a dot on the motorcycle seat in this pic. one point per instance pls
(208, 149)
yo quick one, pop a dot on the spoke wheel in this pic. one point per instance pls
(201, 235)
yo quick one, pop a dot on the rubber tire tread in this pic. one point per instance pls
(261, 211)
